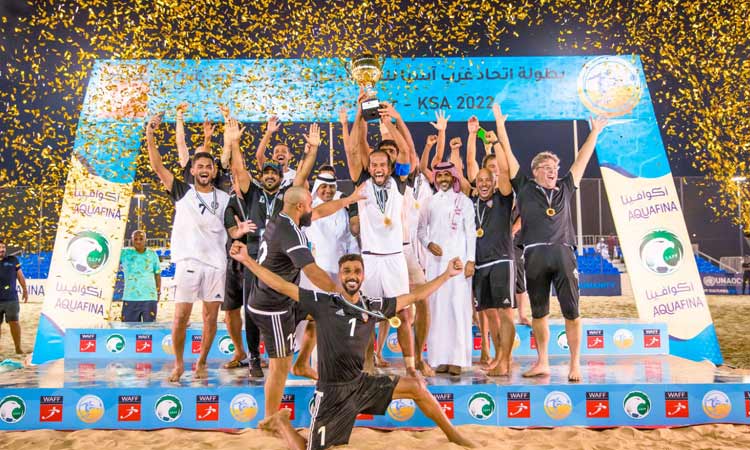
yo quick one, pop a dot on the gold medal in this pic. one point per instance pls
(394, 321)
(387, 221)
(480, 232)
(416, 205)
(551, 212)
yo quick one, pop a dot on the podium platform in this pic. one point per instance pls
(626, 384)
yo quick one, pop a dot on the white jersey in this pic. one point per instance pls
(330, 238)
(382, 226)
(417, 198)
(289, 175)
(198, 229)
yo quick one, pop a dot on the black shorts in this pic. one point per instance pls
(556, 264)
(493, 286)
(139, 311)
(520, 271)
(237, 286)
(337, 405)
(9, 310)
(277, 329)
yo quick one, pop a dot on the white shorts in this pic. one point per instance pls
(196, 281)
(385, 275)
(416, 272)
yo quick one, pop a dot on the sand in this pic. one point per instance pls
(730, 315)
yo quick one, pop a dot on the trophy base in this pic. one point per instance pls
(370, 109)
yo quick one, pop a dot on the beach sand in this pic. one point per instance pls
(730, 315)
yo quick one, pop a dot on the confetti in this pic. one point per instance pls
(694, 55)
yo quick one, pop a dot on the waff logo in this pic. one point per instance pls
(446, 403)
(143, 343)
(51, 408)
(90, 409)
(287, 402)
(129, 408)
(195, 343)
(594, 338)
(87, 343)
(168, 408)
(12, 409)
(207, 408)
(676, 404)
(661, 252)
(115, 343)
(88, 252)
(651, 338)
(481, 406)
(597, 405)
(636, 404)
(519, 405)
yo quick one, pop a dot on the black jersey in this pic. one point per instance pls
(537, 226)
(283, 251)
(494, 218)
(343, 332)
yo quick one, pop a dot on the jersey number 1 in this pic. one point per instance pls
(352, 321)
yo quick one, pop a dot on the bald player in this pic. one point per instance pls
(284, 251)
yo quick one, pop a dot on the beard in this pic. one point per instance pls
(305, 219)
(350, 291)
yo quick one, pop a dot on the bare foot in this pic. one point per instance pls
(274, 422)
(177, 372)
(500, 370)
(537, 370)
(304, 370)
(484, 359)
(425, 368)
(464, 442)
(200, 372)
(490, 365)
(575, 373)
(380, 362)
(20, 352)
(369, 366)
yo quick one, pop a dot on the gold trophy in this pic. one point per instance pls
(366, 70)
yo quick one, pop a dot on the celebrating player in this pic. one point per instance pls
(346, 323)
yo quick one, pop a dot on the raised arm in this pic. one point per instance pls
(403, 130)
(351, 148)
(275, 282)
(440, 124)
(154, 157)
(404, 153)
(424, 160)
(327, 208)
(503, 175)
(311, 154)
(232, 134)
(272, 126)
(587, 149)
(502, 136)
(422, 292)
(472, 167)
(183, 155)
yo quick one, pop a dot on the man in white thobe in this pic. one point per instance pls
(447, 230)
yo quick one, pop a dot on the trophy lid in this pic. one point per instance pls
(366, 68)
